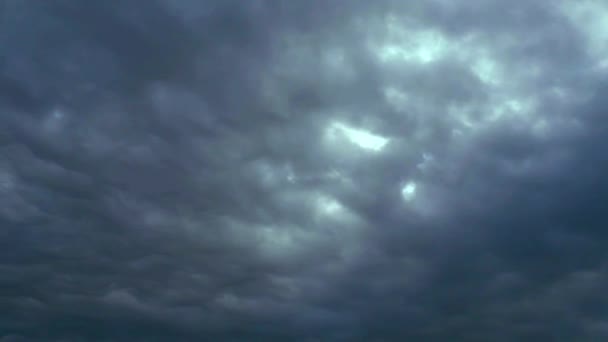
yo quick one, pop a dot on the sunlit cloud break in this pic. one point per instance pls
(358, 137)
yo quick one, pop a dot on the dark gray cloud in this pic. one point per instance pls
(303, 171)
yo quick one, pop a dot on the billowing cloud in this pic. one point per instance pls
(303, 171)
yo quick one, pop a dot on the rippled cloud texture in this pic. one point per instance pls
(303, 170)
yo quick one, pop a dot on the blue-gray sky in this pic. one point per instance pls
(180, 170)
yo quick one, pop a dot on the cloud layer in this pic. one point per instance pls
(303, 171)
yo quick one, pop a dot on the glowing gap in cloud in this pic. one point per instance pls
(328, 205)
(359, 137)
(591, 18)
(409, 191)
(408, 44)
(329, 208)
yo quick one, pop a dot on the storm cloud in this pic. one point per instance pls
(176, 170)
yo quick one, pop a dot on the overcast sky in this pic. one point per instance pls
(303, 170)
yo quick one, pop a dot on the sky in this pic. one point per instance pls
(348, 170)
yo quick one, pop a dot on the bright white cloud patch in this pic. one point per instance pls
(329, 206)
(421, 46)
(408, 192)
(591, 18)
(358, 137)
